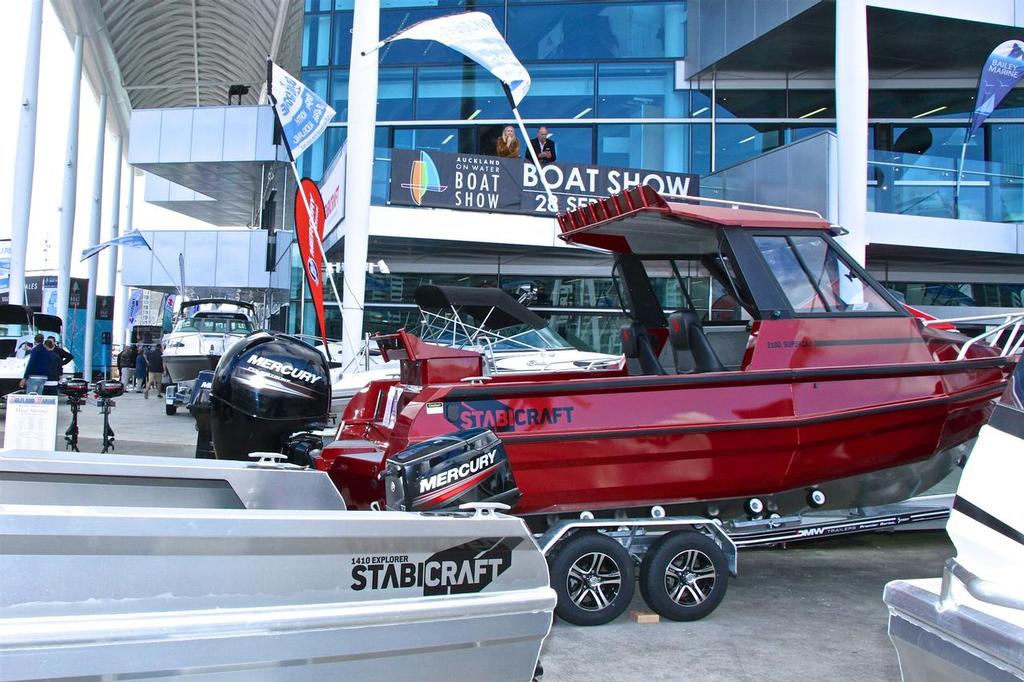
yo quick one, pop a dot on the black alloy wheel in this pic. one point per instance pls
(594, 577)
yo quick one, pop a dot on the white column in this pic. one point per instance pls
(362, 118)
(94, 238)
(852, 122)
(70, 194)
(25, 160)
(110, 271)
(121, 292)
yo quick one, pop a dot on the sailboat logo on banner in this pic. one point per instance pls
(423, 178)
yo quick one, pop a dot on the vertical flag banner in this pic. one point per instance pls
(474, 35)
(309, 232)
(303, 115)
(1002, 70)
(132, 309)
(167, 321)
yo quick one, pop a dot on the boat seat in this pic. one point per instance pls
(637, 345)
(686, 334)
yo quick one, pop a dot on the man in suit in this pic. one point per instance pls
(544, 146)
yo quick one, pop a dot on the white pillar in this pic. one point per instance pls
(110, 272)
(70, 194)
(362, 119)
(852, 122)
(94, 238)
(25, 160)
(121, 293)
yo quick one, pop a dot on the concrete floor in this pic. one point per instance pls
(812, 611)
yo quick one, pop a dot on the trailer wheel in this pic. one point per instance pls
(593, 576)
(684, 576)
(170, 410)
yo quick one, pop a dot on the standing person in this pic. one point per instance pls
(544, 146)
(124, 359)
(140, 371)
(155, 364)
(53, 375)
(508, 143)
(38, 366)
(63, 355)
(133, 356)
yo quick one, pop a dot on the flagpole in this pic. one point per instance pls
(552, 201)
(959, 173)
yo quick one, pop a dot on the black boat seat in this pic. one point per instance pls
(686, 334)
(637, 345)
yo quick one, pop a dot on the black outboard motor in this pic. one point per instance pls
(444, 472)
(265, 389)
(199, 408)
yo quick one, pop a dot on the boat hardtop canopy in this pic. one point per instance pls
(491, 308)
(48, 323)
(11, 313)
(642, 222)
(196, 302)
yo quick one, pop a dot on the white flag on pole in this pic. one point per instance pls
(132, 238)
(474, 35)
(303, 115)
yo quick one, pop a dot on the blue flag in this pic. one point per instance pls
(133, 238)
(1002, 70)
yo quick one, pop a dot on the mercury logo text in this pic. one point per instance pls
(285, 369)
(455, 474)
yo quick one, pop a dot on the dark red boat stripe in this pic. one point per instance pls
(776, 376)
(869, 342)
(972, 511)
(1008, 420)
(989, 392)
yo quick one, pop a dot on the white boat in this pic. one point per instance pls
(125, 567)
(969, 625)
(511, 337)
(198, 340)
(18, 326)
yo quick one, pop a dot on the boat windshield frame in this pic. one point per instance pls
(449, 328)
(229, 320)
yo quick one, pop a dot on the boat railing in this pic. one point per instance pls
(742, 204)
(996, 324)
(359, 363)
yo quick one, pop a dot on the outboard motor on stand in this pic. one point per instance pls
(441, 473)
(269, 390)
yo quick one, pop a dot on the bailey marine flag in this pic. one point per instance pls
(309, 232)
(133, 238)
(132, 309)
(474, 35)
(1002, 70)
(303, 115)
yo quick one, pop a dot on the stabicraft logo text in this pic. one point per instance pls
(464, 569)
(495, 415)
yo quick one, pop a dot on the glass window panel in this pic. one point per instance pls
(939, 141)
(751, 103)
(651, 146)
(931, 103)
(639, 91)
(317, 80)
(572, 144)
(434, 139)
(737, 142)
(341, 53)
(543, 32)
(394, 94)
(700, 104)
(318, 5)
(459, 93)
(788, 273)
(559, 91)
(316, 40)
(811, 104)
(388, 4)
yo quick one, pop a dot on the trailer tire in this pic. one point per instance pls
(170, 410)
(684, 576)
(594, 578)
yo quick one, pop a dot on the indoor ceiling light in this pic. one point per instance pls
(473, 115)
(812, 113)
(747, 139)
(930, 111)
(584, 112)
(699, 111)
(448, 139)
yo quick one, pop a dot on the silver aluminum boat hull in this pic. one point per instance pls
(255, 591)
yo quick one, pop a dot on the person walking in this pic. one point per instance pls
(133, 356)
(38, 367)
(508, 143)
(140, 371)
(544, 146)
(155, 364)
(56, 365)
(124, 359)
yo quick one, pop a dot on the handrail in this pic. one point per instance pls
(1013, 321)
(982, 590)
(747, 204)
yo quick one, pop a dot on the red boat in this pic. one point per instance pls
(797, 382)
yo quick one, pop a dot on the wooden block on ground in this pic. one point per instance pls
(645, 617)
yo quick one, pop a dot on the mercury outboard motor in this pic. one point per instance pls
(442, 473)
(267, 388)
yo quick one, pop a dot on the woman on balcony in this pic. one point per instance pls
(508, 143)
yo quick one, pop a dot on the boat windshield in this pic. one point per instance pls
(446, 331)
(15, 331)
(213, 325)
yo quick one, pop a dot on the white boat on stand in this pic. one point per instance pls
(125, 567)
(969, 625)
(18, 326)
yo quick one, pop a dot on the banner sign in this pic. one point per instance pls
(133, 308)
(1002, 70)
(31, 422)
(303, 114)
(332, 189)
(309, 246)
(501, 185)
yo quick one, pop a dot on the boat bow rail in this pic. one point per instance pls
(1004, 331)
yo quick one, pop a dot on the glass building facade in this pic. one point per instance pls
(608, 83)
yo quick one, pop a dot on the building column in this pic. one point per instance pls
(25, 160)
(110, 271)
(92, 290)
(852, 122)
(121, 293)
(362, 118)
(70, 194)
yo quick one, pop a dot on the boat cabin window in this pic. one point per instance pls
(681, 284)
(816, 279)
(213, 325)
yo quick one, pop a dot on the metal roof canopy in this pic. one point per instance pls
(641, 221)
(147, 54)
(901, 45)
